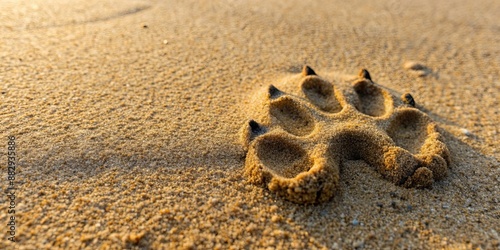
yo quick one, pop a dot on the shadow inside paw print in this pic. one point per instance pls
(308, 126)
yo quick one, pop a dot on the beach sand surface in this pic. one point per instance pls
(127, 117)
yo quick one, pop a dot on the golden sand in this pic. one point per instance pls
(128, 115)
(308, 131)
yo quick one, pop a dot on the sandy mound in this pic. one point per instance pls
(308, 131)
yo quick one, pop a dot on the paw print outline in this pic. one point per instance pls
(305, 128)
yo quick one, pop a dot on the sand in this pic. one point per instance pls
(127, 117)
(311, 127)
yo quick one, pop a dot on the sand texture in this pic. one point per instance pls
(143, 124)
(311, 129)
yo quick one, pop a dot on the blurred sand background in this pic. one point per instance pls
(127, 114)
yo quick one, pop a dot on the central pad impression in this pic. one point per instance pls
(306, 127)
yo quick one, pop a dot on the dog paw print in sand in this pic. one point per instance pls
(304, 128)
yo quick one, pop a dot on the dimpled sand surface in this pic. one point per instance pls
(314, 127)
(128, 117)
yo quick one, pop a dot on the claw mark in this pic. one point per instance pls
(307, 71)
(408, 99)
(364, 74)
(274, 92)
(255, 127)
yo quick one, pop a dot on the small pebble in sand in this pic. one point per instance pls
(465, 132)
(417, 68)
(165, 41)
(355, 222)
(414, 66)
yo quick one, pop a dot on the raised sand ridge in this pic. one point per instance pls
(305, 127)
